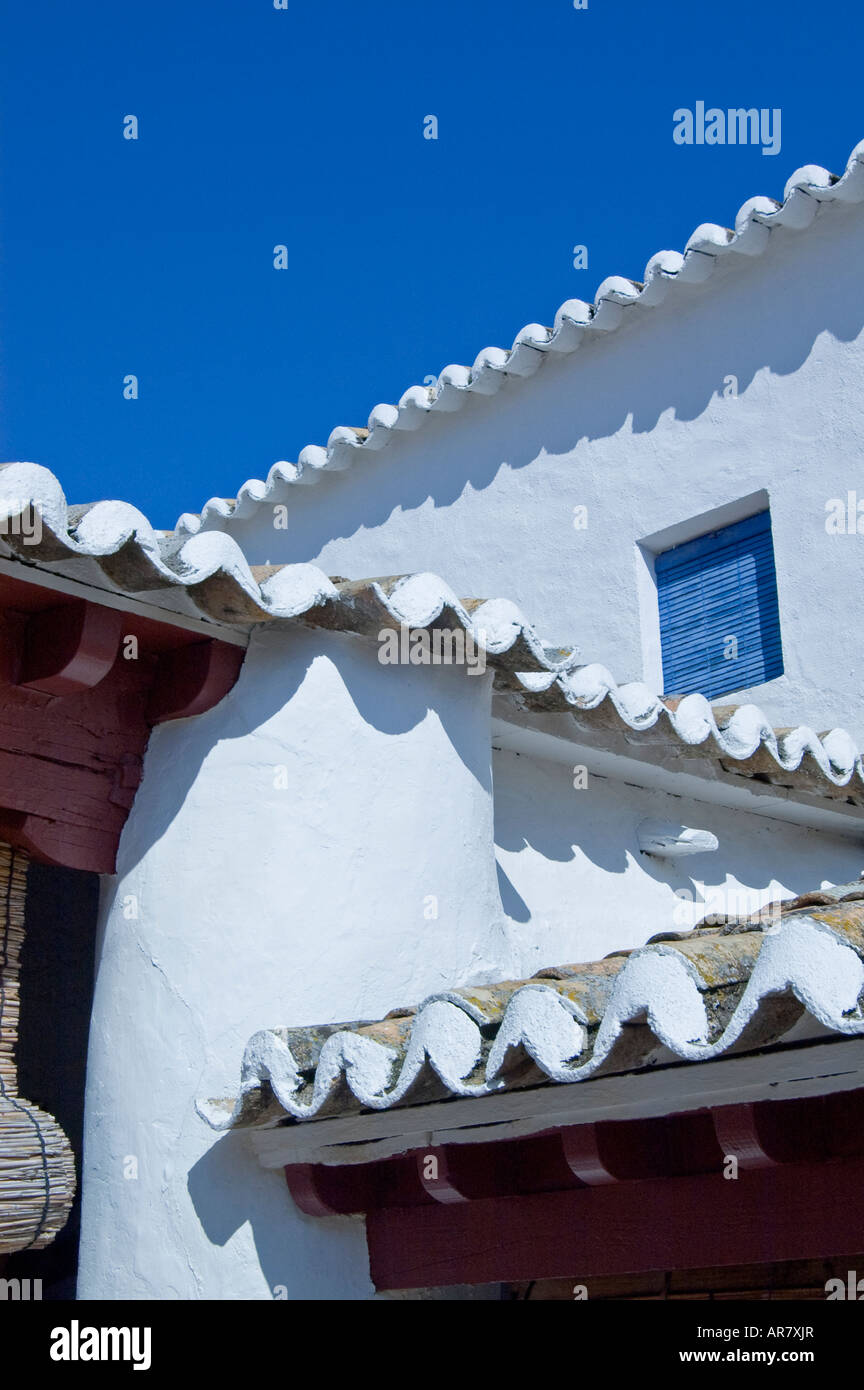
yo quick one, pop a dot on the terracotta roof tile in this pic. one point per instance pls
(209, 572)
(705, 994)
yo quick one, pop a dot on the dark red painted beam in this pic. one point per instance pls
(454, 1173)
(757, 1136)
(466, 1172)
(57, 842)
(321, 1191)
(796, 1212)
(70, 647)
(626, 1196)
(589, 1155)
(192, 679)
(81, 685)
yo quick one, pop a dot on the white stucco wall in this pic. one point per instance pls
(279, 867)
(259, 904)
(576, 885)
(636, 428)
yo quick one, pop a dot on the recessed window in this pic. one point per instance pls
(719, 619)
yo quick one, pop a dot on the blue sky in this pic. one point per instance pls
(304, 127)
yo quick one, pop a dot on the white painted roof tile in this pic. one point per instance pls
(576, 324)
(212, 572)
(695, 996)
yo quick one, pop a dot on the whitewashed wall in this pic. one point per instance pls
(310, 902)
(637, 429)
(577, 886)
(258, 905)
(320, 847)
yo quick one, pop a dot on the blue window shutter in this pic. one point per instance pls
(719, 586)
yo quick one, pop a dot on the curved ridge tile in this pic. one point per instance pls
(543, 1024)
(693, 720)
(805, 190)
(212, 570)
(496, 626)
(209, 566)
(670, 992)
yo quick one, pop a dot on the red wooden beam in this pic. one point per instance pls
(56, 842)
(618, 1150)
(589, 1155)
(620, 1197)
(466, 1172)
(70, 648)
(737, 1129)
(192, 679)
(760, 1136)
(307, 1186)
(453, 1173)
(60, 791)
(582, 1150)
(796, 1212)
(433, 1172)
(76, 714)
(322, 1191)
